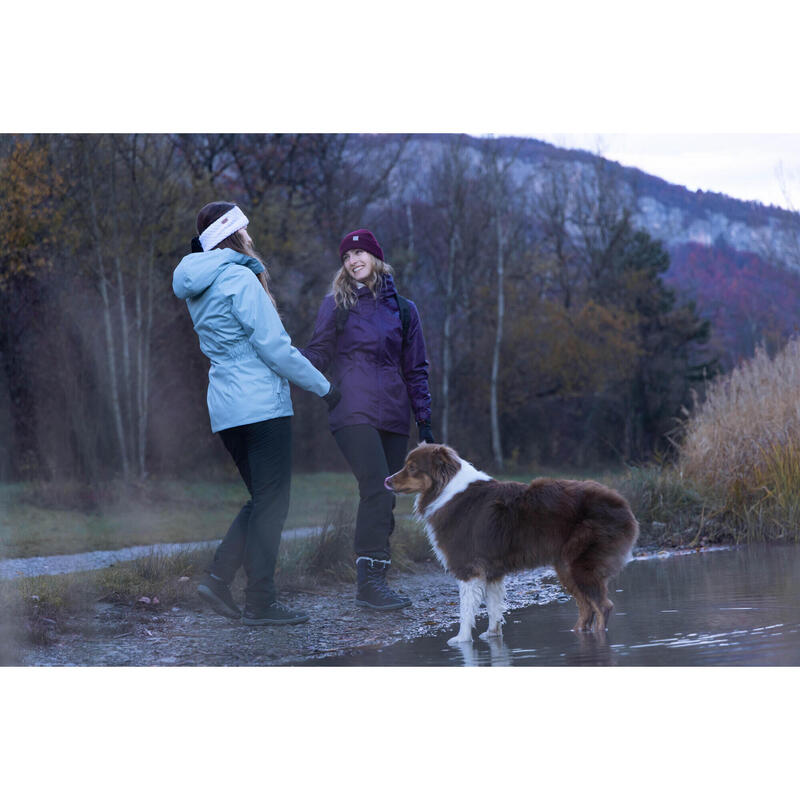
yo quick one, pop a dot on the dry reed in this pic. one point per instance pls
(743, 444)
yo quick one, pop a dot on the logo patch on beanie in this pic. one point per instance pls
(355, 238)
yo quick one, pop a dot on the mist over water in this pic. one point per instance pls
(718, 608)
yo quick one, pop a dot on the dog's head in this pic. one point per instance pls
(428, 469)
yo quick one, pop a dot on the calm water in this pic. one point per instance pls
(731, 607)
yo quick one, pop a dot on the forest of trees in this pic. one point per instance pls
(551, 334)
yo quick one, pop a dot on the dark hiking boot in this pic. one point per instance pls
(217, 594)
(273, 614)
(372, 591)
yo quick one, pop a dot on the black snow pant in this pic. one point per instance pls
(373, 455)
(262, 452)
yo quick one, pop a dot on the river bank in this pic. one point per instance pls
(190, 634)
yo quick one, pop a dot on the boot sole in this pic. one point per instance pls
(392, 607)
(247, 621)
(218, 605)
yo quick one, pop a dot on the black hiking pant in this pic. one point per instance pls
(373, 455)
(262, 452)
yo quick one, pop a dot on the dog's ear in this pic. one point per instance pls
(444, 464)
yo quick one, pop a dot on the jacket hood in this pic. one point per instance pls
(387, 288)
(197, 271)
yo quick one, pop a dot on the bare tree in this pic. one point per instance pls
(156, 205)
(496, 169)
(552, 203)
(129, 197)
(87, 154)
(451, 179)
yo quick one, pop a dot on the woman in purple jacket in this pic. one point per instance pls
(383, 378)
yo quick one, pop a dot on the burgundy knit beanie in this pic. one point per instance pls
(361, 239)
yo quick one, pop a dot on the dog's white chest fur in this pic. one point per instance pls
(466, 475)
(431, 533)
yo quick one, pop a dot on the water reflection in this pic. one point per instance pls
(729, 607)
(593, 650)
(499, 654)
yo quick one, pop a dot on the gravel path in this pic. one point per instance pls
(193, 635)
(11, 568)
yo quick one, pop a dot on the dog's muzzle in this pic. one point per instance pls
(387, 484)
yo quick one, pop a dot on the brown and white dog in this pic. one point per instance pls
(482, 529)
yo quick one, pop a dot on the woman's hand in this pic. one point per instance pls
(425, 433)
(332, 398)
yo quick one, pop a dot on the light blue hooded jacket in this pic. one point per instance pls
(252, 357)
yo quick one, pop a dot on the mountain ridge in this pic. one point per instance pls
(668, 211)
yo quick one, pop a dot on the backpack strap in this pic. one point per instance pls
(405, 318)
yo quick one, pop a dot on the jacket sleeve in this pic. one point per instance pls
(415, 368)
(257, 315)
(322, 347)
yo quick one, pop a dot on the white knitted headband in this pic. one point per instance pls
(230, 222)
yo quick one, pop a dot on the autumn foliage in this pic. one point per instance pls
(31, 194)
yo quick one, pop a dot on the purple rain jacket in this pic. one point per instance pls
(365, 362)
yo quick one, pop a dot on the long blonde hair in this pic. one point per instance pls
(211, 212)
(345, 287)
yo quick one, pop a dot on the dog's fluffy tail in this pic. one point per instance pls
(628, 555)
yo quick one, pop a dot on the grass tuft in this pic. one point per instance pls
(329, 556)
(156, 575)
(671, 512)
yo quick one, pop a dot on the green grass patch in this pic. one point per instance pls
(40, 520)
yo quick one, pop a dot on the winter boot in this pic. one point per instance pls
(372, 590)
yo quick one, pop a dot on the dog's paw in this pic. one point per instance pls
(457, 640)
(491, 634)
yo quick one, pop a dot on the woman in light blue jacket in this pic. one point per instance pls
(252, 360)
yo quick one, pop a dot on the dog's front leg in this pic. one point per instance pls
(470, 594)
(495, 605)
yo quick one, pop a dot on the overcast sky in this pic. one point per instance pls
(749, 166)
